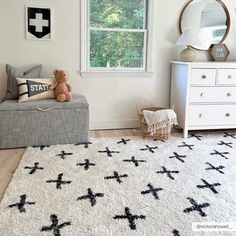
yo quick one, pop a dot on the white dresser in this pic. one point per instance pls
(204, 95)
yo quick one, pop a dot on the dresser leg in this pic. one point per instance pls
(185, 133)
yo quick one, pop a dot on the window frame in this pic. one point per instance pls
(87, 71)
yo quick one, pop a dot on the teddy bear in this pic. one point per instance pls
(61, 88)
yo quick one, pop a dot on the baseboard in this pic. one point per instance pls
(114, 124)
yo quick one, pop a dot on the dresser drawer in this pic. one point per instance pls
(213, 94)
(226, 76)
(207, 115)
(203, 76)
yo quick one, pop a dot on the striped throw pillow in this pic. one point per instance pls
(35, 89)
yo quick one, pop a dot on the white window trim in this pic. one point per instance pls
(86, 72)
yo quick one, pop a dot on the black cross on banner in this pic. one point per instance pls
(55, 227)
(58, 181)
(196, 207)
(91, 197)
(175, 232)
(178, 157)
(148, 148)
(124, 141)
(198, 137)
(230, 135)
(217, 168)
(153, 191)
(108, 152)
(130, 217)
(168, 172)
(86, 144)
(87, 164)
(186, 145)
(21, 205)
(34, 168)
(41, 147)
(63, 154)
(210, 186)
(221, 143)
(116, 176)
(136, 162)
(222, 154)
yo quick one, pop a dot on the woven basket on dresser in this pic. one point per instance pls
(162, 133)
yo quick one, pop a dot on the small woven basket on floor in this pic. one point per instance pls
(161, 134)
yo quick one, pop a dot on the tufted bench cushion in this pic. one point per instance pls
(44, 122)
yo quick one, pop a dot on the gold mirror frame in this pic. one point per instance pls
(228, 22)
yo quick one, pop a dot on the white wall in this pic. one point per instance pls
(112, 100)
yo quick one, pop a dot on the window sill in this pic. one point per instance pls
(116, 74)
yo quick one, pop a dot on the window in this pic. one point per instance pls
(115, 38)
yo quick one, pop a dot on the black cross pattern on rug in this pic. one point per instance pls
(86, 164)
(63, 154)
(198, 137)
(175, 232)
(130, 217)
(189, 146)
(210, 186)
(152, 190)
(34, 168)
(21, 204)
(41, 147)
(221, 143)
(124, 141)
(148, 148)
(217, 168)
(229, 135)
(136, 162)
(91, 197)
(59, 182)
(55, 227)
(86, 144)
(117, 177)
(168, 172)
(196, 207)
(178, 157)
(222, 154)
(108, 152)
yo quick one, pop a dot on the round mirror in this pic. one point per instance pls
(210, 19)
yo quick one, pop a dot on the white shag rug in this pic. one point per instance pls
(123, 186)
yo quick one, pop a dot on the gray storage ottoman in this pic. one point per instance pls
(44, 122)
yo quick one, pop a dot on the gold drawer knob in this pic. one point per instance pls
(201, 94)
(203, 76)
(200, 115)
(230, 77)
(227, 114)
(229, 95)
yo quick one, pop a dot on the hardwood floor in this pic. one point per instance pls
(9, 159)
(114, 133)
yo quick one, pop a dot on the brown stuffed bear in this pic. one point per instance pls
(62, 89)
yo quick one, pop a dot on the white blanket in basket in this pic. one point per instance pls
(159, 119)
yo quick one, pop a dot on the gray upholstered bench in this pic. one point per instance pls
(44, 122)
